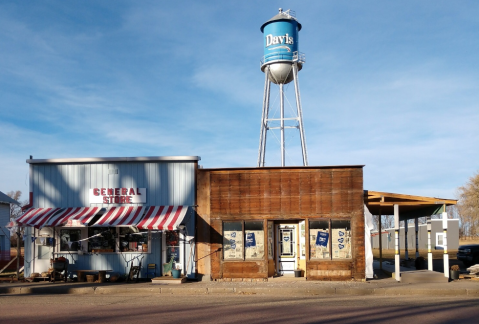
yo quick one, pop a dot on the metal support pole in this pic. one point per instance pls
(281, 103)
(416, 227)
(397, 258)
(300, 115)
(18, 255)
(264, 117)
(406, 250)
(380, 240)
(444, 240)
(429, 253)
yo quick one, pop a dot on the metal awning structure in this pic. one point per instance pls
(121, 216)
(405, 207)
(163, 217)
(382, 203)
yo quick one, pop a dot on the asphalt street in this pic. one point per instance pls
(235, 309)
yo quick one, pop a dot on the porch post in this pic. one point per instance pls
(444, 240)
(397, 258)
(416, 226)
(429, 253)
(406, 251)
(380, 240)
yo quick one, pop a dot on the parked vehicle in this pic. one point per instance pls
(468, 254)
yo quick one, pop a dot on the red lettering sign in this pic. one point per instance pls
(96, 192)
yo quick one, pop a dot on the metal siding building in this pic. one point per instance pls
(65, 183)
(436, 229)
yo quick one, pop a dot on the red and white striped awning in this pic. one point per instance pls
(121, 216)
(36, 217)
(74, 216)
(163, 217)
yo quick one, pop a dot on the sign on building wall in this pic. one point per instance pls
(117, 195)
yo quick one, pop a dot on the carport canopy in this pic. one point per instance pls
(405, 207)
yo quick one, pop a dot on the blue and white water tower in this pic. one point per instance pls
(281, 63)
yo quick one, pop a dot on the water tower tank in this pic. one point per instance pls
(281, 46)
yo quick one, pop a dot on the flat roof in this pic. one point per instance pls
(285, 167)
(116, 159)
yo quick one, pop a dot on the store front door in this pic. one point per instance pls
(286, 256)
(43, 249)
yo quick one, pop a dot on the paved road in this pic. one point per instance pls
(234, 309)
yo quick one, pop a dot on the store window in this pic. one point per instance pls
(319, 242)
(329, 239)
(341, 239)
(69, 239)
(102, 239)
(233, 240)
(172, 239)
(254, 240)
(133, 239)
(249, 232)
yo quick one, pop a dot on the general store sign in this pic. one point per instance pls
(117, 195)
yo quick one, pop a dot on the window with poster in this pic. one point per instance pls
(172, 243)
(329, 239)
(133, 239)
(243, 240)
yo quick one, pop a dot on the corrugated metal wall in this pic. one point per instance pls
(4, 232)
(68, 185)
(436, 227)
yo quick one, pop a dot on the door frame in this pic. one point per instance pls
(293, 258)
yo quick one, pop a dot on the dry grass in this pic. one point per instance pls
(13, 252)
(468, 241)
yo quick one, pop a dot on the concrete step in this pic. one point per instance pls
(422, 276)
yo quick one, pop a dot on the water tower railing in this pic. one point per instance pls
(281, 56)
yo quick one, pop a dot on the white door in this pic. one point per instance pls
(43, 249)
(286, 262)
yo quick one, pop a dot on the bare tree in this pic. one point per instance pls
(15, 210)
(468, 207)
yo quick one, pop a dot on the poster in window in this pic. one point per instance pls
(319, 244)
(254, 245)
(341, 243)
(233, 245)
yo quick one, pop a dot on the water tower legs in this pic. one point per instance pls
(300, 114)
(264, 119)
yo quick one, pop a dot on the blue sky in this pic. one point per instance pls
(392, 85)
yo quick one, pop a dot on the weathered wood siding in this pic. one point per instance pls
(280, 194)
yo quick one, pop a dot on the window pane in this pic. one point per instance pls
(254, 240)
(341, 239)
(133, 240)
(172, 239)
(319, 239)
(232, 240)
(69, 239)
(106, 242)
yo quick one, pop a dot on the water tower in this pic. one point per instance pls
(280, 64)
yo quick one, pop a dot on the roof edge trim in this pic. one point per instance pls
(116, 159)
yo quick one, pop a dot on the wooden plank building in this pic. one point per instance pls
(262, 222)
